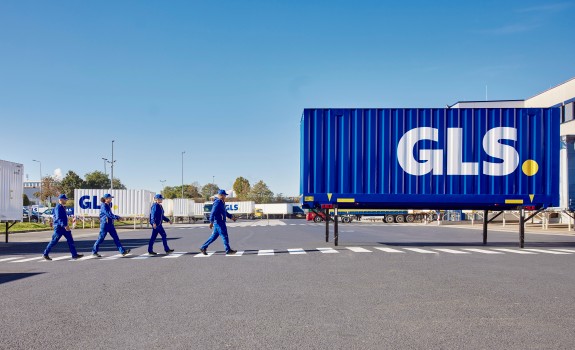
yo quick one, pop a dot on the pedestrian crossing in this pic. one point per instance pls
(385, 250)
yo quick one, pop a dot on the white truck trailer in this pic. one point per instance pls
(11, 191)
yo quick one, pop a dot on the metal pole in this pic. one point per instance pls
(105, 167)
(183, 173)
(6, 232)
(521, 228)
(335, 230)
(39, 198)
(163, 186)
(485, 213)
(112, 168)
(326, 225)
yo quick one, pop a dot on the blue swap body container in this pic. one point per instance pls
(484, 158)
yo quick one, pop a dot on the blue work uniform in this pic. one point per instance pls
(218, 217)
(60, 223)
(157, 217)
(107, 226)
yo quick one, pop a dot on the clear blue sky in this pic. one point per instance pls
(227, 81)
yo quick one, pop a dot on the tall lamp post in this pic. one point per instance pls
(163, 185)
(105, 168)
(112, 168)
(40, 198)
(183, 173)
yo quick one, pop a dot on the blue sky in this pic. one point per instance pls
(227, 81)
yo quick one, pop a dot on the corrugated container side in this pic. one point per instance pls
(245, 207)
(275, 208)
(430, 158)
(11, 191)
(198, 209)
(126, 203)
(168, 205)
(183, 207)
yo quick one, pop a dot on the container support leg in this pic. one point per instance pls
(326, 225)
(485, 222)
(6, 232)
(335, 227)
(521, 228)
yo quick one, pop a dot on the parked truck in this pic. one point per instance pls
(348, 215)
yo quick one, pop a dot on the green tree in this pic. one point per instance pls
(70, 182)
(25, 200)
(260, 193)
(50, 188)
(209, 190)
(242, 188)
(118, 185)
(97, 180)
(190, 191)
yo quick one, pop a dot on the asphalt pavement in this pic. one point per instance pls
(400, 286)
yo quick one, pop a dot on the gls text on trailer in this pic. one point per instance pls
(483, 159)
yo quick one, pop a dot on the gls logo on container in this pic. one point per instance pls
(232, 207)
(432, 159)
(85, 202)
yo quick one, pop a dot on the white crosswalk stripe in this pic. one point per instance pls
(266, 252)
(59, 258)
(11, 258)
(422, 251)
(451, 251)
(117, 256)
(359, 250)
(389, 250)
(174, 255)
(200, 255)
(238, 253)
(327, 250)
(143, 256)
(545, 251)
(28, 259)
(296, 251)
(482, 251)
(516, 251)
(565, 250)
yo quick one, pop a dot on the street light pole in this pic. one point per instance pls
(40, 198)
(163, 185)
(105, 168)
(112, 168)
(183, 173)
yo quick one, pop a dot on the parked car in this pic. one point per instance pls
(30, 217)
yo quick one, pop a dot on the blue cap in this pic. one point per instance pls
(222, 192)
(107, 195)
(158, 196)
(62, 196)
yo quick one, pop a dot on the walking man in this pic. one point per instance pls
(61, 228)
(218, 217)
(156, 219)
(107, 226)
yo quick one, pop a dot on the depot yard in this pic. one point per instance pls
(385, 286)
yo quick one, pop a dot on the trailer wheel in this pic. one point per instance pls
(317, 218)
(433, 217)
(346, 219)
(389, 219)
(400, 219)
(410, 218)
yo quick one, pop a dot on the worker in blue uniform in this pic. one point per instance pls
(107, 226)
(218, 217)
(61, 228)
(157, 218)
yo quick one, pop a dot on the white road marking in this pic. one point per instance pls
(143, 256)
(238, 253)
(516, 251)
(117, 256)
(266, 252)
(422, 251)
(389, 250)
(451, 251)
(12, 258)
(482, 251)
(28, 259)
(327, 250)
(174, 255)
(564, 250)
(546, 251)
(59, 258)
(296, 251)
(359, 250)
(200, 255)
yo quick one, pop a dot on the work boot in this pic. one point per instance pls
(126, 252)
(78, 256)
(46, 257)
(231, 252)
(203, 251)
(152, 253)
(96, 255)
(169, 251)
